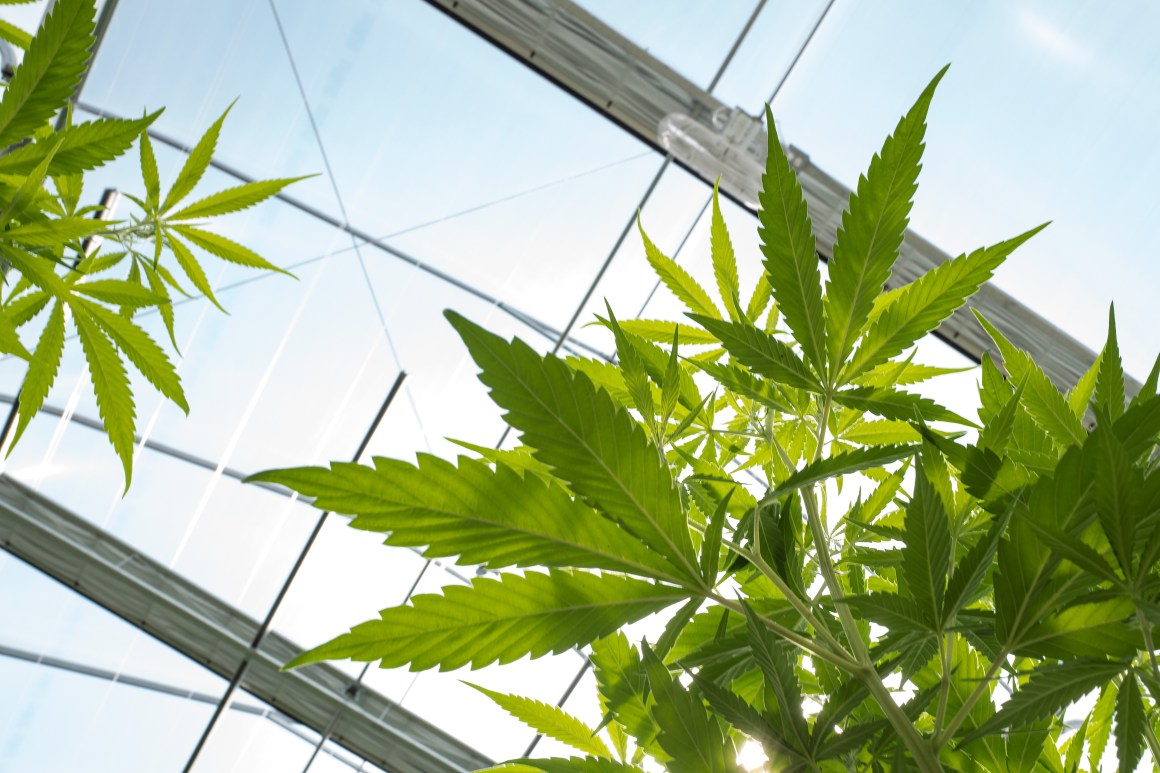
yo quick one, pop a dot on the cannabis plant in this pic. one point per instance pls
(57, 276)
(985, 602)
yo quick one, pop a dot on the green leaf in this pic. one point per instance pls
(494, 517)
(165, 303)
(925, 303)
(1118, 494)
(192, 269)
(791, 251)
(972, 568)
(760, 353)
(776, 660)
(498, 620)
(892, 404)
(622, 682)
(687, 734)
(589, 440)
(34, 269)
(676, 624)
(872, 229)
(882, 432)
(661, 332)
(842, 701)
(149, 358)
(119, 292)
(1081, 394)
(1073, 749)
(671, 385)
(1137, 429)
(677, 279)
(9, 341)
(1044, 402)
(82, 147)
(926, 554)
(657, 363)
(898, 613)
(742, 383)
(195, 164)
(69, 188)
(149, 174)
(1049, 690)
(997, 432)
(55, 232)
(226, 249)
(14, 35)
(759, 300)
(1148, 390)
(842, 464)
(711, 544)
(1092, 629)
(550, 721)
(29, 190)
(1100, 725)
(734, 710)
(233, 199)
(640, 390)
(51, 70)
(111, 384)
(42, 370)
(1110, 382)
(1130, 724)
(889, 374)
(724, 261)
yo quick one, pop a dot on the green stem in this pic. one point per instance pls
(802, 642)
(944, 646)
(1153, 744)
(924, 754)
(1147, 631)
(795, 601)
(960, 716)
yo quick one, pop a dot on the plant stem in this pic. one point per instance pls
(944, 646)
(924, 754)
(1153, 744)
(1147, 630)
(795, 601)
(802, 642)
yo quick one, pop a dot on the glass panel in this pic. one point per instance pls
(250, 735)
(1073, 88)
(237, 541)
(462, 157)
(628, 284)
(294, 372)
(332, 758)
(126, 702)
(195, 59)
(40, 616)
(774, 40)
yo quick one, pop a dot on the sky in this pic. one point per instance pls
(422, 133)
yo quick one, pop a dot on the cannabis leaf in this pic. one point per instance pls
(498, 620)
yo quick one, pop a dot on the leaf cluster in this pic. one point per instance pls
(977, 588)
(70, 271)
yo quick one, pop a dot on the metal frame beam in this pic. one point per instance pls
(623, 82)
(216, 635)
